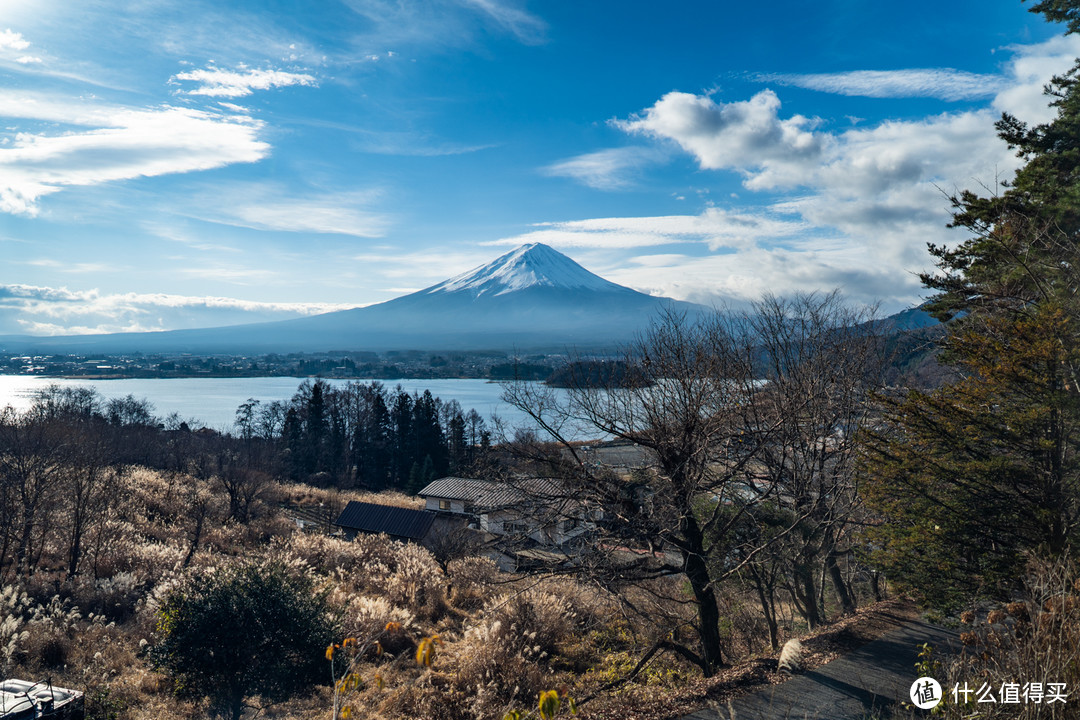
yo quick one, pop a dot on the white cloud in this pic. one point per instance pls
(11, 40)
(850, 207)
(744, 275)
(1030, 69)
(59, 311)
(11, 46)
(775, 153)
(730, 255)
(748, 135)
(231, 274)
(527, 27)
(119, 143)
(73, 268)
(610, 169)
(268, 207)
(942, 83)
(716, 228)
(216, 82)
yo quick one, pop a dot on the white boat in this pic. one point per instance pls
(23, 700)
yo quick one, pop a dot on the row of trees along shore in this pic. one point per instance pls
(780, 470)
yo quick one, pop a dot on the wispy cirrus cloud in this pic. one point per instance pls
(940, 83)
(267, 206)
(431, 24)
(72, 268)
(716, 228)
(612, 169)
(527, 27)
(114, 143)
(217, 82)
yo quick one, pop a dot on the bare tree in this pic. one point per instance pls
(89, 489)
(820, 361)
(744, 424)
(683, 400)
(31, 466)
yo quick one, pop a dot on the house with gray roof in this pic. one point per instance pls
(526, 509)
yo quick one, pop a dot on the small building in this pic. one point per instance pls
(536, 510)
(405, 524)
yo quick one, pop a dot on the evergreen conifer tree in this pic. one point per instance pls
(974, 476)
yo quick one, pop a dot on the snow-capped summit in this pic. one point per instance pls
(532, 297)
(532, 265)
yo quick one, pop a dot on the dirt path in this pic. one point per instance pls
(859, 684)
(857, 662)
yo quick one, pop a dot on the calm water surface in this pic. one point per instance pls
(212, 402)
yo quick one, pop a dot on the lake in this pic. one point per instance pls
(212, 402)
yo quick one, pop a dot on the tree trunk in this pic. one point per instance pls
(196, 536)
(806, 591)
(768, 607)
(75, 551)
(843, 592)
(875, 585)
(23, 554)
(697, 572)
(236, 705)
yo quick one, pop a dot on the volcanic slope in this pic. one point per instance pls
(533, 297)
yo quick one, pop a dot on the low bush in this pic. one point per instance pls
(238, 631)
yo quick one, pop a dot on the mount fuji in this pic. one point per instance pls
(533, 297)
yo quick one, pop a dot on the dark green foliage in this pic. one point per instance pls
(257, 629)
(361, 434)
(597, 373)
(975, 476)
(519, 371)
(1065, 11)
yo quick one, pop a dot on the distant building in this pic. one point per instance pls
(445, 536)
(532, 510)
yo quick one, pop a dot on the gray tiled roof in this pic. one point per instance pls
(394, 521)
(455, 488)
(488, 494)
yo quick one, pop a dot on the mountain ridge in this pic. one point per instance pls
(532, 297)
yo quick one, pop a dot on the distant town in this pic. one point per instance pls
(368, 365)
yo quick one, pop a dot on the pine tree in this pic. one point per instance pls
(976, 475)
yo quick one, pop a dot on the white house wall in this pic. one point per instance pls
(456, 506)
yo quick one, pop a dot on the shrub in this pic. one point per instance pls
(1036, 640)
(506, 657)
(256, 629)
(52, 630)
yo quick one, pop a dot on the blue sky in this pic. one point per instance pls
(181, 164)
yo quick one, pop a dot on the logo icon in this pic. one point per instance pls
(925, 693)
